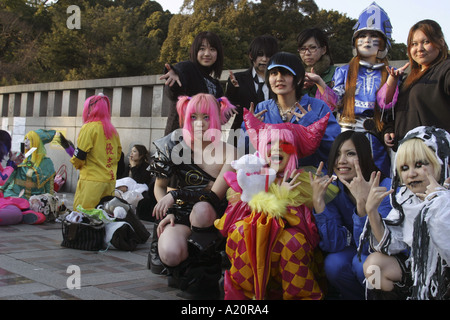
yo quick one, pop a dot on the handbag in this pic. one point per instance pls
(60, 178)
(89, 234)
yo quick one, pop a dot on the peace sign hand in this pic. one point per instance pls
(432, 187)
(303, 111)
(376, 196)
(359, 188)
(290, 183)
(374, 199)
(397, 72)
(259, 115)
(319, 184)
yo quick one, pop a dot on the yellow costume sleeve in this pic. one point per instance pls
(86, 138)
(276, 201)
(77, 163)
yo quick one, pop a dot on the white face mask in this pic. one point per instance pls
(27, 144)
(368, 44)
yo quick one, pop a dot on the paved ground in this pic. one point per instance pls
(34, 266)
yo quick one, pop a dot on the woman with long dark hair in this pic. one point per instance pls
(341, 221)
(199, 74)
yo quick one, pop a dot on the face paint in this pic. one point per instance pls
(27, 144)
(279, 154)
(287, 147)
(415, 177)
(376, 43)
(368, 44)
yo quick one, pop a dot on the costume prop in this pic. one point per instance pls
(374, 18)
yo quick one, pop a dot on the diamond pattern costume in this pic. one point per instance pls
(272, 239)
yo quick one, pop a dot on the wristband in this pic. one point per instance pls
(12, 164)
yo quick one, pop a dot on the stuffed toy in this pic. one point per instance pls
(253, 176)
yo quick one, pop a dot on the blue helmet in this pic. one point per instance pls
(375, 18)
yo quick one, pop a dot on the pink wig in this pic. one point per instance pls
(98, 108)
(218, 110)
(275, 134)
(305, 140)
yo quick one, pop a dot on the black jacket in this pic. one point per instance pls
(193, 81)
(426, 103)
(243, 95)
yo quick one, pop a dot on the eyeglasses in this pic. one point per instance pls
(311, 49)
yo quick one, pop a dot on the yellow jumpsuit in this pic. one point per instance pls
(98, 170)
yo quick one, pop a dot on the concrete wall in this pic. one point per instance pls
(139, 111)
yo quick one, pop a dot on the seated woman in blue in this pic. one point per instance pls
(341, 221)
(285, 75)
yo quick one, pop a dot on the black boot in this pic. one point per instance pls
(198, 278)
(153, 261)
(199, 275)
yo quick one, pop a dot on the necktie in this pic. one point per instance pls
(259, 92)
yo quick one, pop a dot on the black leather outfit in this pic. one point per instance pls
(167, 163)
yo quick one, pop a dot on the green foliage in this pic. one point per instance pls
(120, 38)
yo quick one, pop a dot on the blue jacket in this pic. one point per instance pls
(367, 85)
(319, 109)
(340, 226)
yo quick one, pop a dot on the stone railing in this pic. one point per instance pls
(139, 111)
